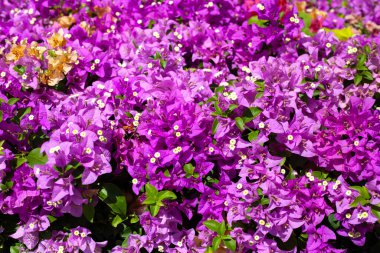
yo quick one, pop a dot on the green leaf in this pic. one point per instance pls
(134, 219)
(252, 136)
(215, 125)
(306, 17)
(251, 113)
(20, 161)
(222, 228)
(216, 242)
(335, 224)
(357, 79)
(154, 209)
(149, 201)
(363, 191)
(219, 89)
(361, 60)
(7, 185)
(375, 209)
(1, 116)
(166, 173)
(239, 123)
(218, 110)
(360, 200)
(163, 63)
(282, 161)
(19, 69)
(51, 218)
(36, 157)
(257, 21)
(12, 101)
(321, 175)
(20, 114)
(230, 244)
(264, 201)
(116, 221)
(209, 250)
(367, 49)
(212, 225)
(189, 169)
(89, 212)
(367, 75)
(166, 195)
(342, 34)
(232, 107)
(15, 248)
(114, 198)
(151, 191)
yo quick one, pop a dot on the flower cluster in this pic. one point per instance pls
(189, 126)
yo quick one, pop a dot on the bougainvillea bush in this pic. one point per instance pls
(189, 126)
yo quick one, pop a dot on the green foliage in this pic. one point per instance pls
(36, 157)
(215, 125)
(342, 34)
(363, 198)
(154, 198)
(19, 69)
(306, 17)
(220, 229)
(114, 198)
(259, 22)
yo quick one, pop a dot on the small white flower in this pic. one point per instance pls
(88, 151)
(83, 134)
(261, 125)
(31, 117)
(160, 248)
(356, 143)
(134, 181)
(239, 186)
(152, 160)
(260, 7)
(290, 137)
(3, 74)
(156, 35)
(157, 154)
(328, 44)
